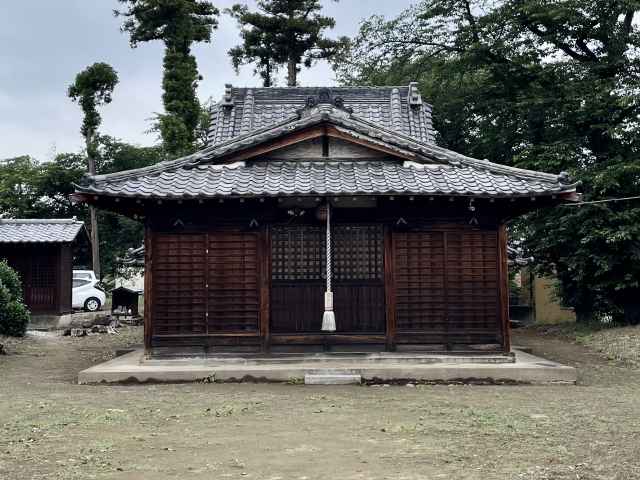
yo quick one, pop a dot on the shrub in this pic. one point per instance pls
(11, 280)
(14, 316)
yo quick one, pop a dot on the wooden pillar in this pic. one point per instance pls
(390, 289)
(264, 259)
(503, 288)
(64, 278)
(148, 286)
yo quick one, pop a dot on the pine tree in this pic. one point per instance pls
(177, 23)
(283, 32)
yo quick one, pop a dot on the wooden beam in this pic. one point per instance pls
(334, 132)
(148, 286)
(264, 260)
(390, 289)
(65, 278)
(276, 144)
(503, 288)
(445, 284)
(321, 339)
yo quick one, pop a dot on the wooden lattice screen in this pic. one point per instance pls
(358, 252)
(298, 270)
(447, 285)
(203, 283)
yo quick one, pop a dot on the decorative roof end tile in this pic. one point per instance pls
(227, 99)
(414, 97)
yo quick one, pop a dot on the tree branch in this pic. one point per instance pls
(472, 21)
(561, 45)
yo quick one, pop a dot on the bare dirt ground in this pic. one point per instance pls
(51, 428)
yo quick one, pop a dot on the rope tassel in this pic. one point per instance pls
(329, 318)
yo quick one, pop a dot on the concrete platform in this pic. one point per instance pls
(69, 320)
(389, 367)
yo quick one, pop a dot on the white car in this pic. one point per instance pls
(85, 275)
(86, 293)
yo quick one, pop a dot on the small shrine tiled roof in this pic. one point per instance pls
(39, 230)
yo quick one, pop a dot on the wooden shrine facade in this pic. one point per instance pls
(235, 241)
(428, 285)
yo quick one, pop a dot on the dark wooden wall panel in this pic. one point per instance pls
(472, 281)
(233, 275)
(205, 284)
(179, 284)
(447, 287)
(39, 269)
(297, 306)
(420, 281)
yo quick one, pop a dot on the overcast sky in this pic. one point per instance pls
(44, 43)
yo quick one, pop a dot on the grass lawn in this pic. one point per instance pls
(51, 428)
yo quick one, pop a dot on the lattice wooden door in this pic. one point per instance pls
(298, 257)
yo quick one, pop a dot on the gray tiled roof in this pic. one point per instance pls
(363, 177)
(431, 170)
(39, 231)
(243, 110)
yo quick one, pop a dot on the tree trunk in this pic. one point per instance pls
(292, 72)
(95, 246)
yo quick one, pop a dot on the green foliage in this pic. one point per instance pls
(93, 87)
(544, 85)
(204, 121)
(11, 281)
(14, 316)
(177, 23)
(283, 32)
(17, 194)
(32, 190)
(29, 189)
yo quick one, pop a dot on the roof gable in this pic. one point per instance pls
(245, 110)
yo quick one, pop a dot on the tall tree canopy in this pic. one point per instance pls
(283, 32)
(547, 85)
(93, 87)
(177, 23)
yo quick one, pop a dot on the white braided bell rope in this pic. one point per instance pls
(328, 247)
(328, 318)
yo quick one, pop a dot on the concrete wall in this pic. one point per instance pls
(547, 308)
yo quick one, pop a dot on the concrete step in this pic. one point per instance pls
(332, 379)
(341, 359)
